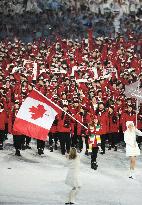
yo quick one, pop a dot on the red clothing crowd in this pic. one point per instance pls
(86, 78)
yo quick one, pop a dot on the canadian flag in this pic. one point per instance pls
(35, 116)
(30, 68)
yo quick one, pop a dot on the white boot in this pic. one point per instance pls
(130, 173)
(77, 191)
(133, 174)
(72, 195)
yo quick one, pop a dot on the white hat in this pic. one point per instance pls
(129, 123)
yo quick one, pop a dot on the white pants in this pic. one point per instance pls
(72, 194)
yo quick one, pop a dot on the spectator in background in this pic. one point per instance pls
(63, 18)
(25, 4)
(33, 7)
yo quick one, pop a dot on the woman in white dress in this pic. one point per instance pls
(72, 178)
(132, 149)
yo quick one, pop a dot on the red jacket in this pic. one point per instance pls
(139, 122)
(53, 129)
(73, 111)
(127, 117)
(85, 121)
(113, 122)
(3, 119)
(103, 119)
(64, 123)
(11, 119)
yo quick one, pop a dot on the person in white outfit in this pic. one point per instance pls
(132, 149)
(72, 178)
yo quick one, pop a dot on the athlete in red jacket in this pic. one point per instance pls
(103, 119)
(113, 128)
(64, 130)
(83, 117)
(3, 121)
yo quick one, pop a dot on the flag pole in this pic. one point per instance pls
(137, 104)
(61, 109)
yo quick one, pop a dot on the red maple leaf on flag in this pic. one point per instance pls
(37, 112)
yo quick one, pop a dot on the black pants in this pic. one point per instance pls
(80, 140)
(65, 141)
(113, 139)
(103, 141)
(40, 144)
(94, 154)
(53, 137)
(139, 139)
(74, 139)
(6, 131)
(86, 142)
(2, 136)
(28, 140)
(121, 135)
(19, 140)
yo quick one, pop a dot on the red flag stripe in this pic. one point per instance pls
(30, 129)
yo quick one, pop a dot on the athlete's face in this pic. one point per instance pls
(101, 107)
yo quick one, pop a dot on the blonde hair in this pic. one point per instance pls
(72, 153)
(129, 123)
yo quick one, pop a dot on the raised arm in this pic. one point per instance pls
(138, 132)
